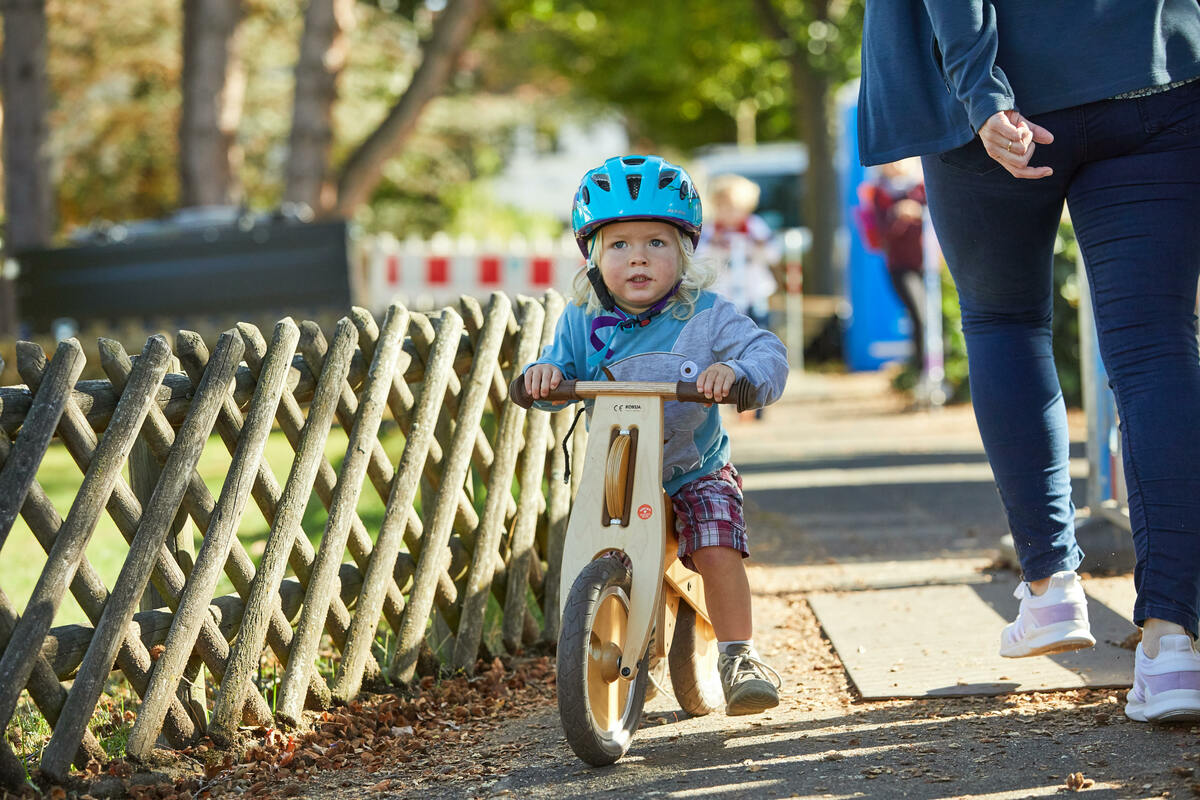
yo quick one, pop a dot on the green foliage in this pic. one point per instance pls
(1065, 331)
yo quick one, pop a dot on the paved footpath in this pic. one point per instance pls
(849, 492)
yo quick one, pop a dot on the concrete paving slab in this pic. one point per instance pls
(942, 640)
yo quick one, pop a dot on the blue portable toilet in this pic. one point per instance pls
(877, 330)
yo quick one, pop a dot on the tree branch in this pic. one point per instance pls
(361, 172)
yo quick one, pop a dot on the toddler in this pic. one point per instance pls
(641, 313)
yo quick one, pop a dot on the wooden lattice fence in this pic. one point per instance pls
(440, 378)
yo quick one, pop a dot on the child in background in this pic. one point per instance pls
(891, 217)
(742, 243)
(741, 240)
(641, 312)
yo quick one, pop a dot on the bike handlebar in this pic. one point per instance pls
(741, 394)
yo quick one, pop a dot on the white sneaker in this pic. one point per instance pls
(1053, 622)
(1166, 688)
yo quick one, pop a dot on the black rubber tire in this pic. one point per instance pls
(604, 580)
(693, 662)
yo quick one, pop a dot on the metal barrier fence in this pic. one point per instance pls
(440, 378)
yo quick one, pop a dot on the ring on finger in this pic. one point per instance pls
(1010, 144)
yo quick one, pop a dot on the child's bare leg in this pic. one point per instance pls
(745, 679)
(726, 592)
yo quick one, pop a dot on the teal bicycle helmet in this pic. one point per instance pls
(635, 188)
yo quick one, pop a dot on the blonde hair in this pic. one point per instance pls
(740, 192)
(696, 274)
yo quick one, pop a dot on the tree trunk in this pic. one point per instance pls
(360, 174)
(322, 57)
(28, 196)
(821, 200)
(813, 122)
(213, 87)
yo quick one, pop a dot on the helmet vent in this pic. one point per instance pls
(633, 161)
(665, 177)
(587, 196)
(635, 185)
(601, 180)
(684, 190)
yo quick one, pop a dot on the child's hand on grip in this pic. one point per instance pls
(715, 381)
(541, 379)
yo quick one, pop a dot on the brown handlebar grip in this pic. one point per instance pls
(740, 394)
(563, 393)
(517, 393)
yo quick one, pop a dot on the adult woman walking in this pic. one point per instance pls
(1017, 106)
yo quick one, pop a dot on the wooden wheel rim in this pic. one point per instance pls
(608, 694)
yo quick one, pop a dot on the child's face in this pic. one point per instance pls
(640, 262)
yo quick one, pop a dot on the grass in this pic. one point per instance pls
(23, 558)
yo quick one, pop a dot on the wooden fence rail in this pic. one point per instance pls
(466, 523)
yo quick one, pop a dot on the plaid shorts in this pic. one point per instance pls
(708, 513)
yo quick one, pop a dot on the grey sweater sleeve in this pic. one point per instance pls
(966, 39)
(754, 354)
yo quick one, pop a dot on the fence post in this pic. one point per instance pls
(152, 530)
(793, 249)
(37, 431)
(21, 655)
(144, 472)
(478, 583)
(337, 527)
(246, 652)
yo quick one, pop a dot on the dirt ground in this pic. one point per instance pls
(833, 505)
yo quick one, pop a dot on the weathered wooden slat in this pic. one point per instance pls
(481, 453)
(337, 527)
(265, 489)
(126, 511)
(533, 462)
(558, 507)
(19, 658)
(37, 431)
(379, 471)
(219, 537)
(379, 468)
(88, 589)
(47, 693)
(291, 420)
(348, 680)
(157, 519)
(65, 645)
(246, 653)
(466, 517)
(491, 527)
(434, 551)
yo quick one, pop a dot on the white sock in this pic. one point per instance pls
(724, 646)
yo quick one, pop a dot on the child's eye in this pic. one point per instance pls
(618, 245)
(657, 243)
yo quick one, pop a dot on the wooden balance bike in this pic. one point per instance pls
(624, 593)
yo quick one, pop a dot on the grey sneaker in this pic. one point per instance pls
(750, 686)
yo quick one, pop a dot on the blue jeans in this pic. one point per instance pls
(1129, 171)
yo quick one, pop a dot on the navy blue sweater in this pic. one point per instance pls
(933, 71)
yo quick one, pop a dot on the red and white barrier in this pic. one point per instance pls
(430, 273)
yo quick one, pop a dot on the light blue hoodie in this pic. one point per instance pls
(670, 349)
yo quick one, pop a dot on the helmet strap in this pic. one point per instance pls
(601, 289)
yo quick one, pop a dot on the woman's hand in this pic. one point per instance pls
(715, 381)
(1010, 139)
(541, 379)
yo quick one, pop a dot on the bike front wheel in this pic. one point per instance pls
(598, 709)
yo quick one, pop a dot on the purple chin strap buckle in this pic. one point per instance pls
(624, 321)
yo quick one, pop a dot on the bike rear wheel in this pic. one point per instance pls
(598, 709)
(693, 662)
